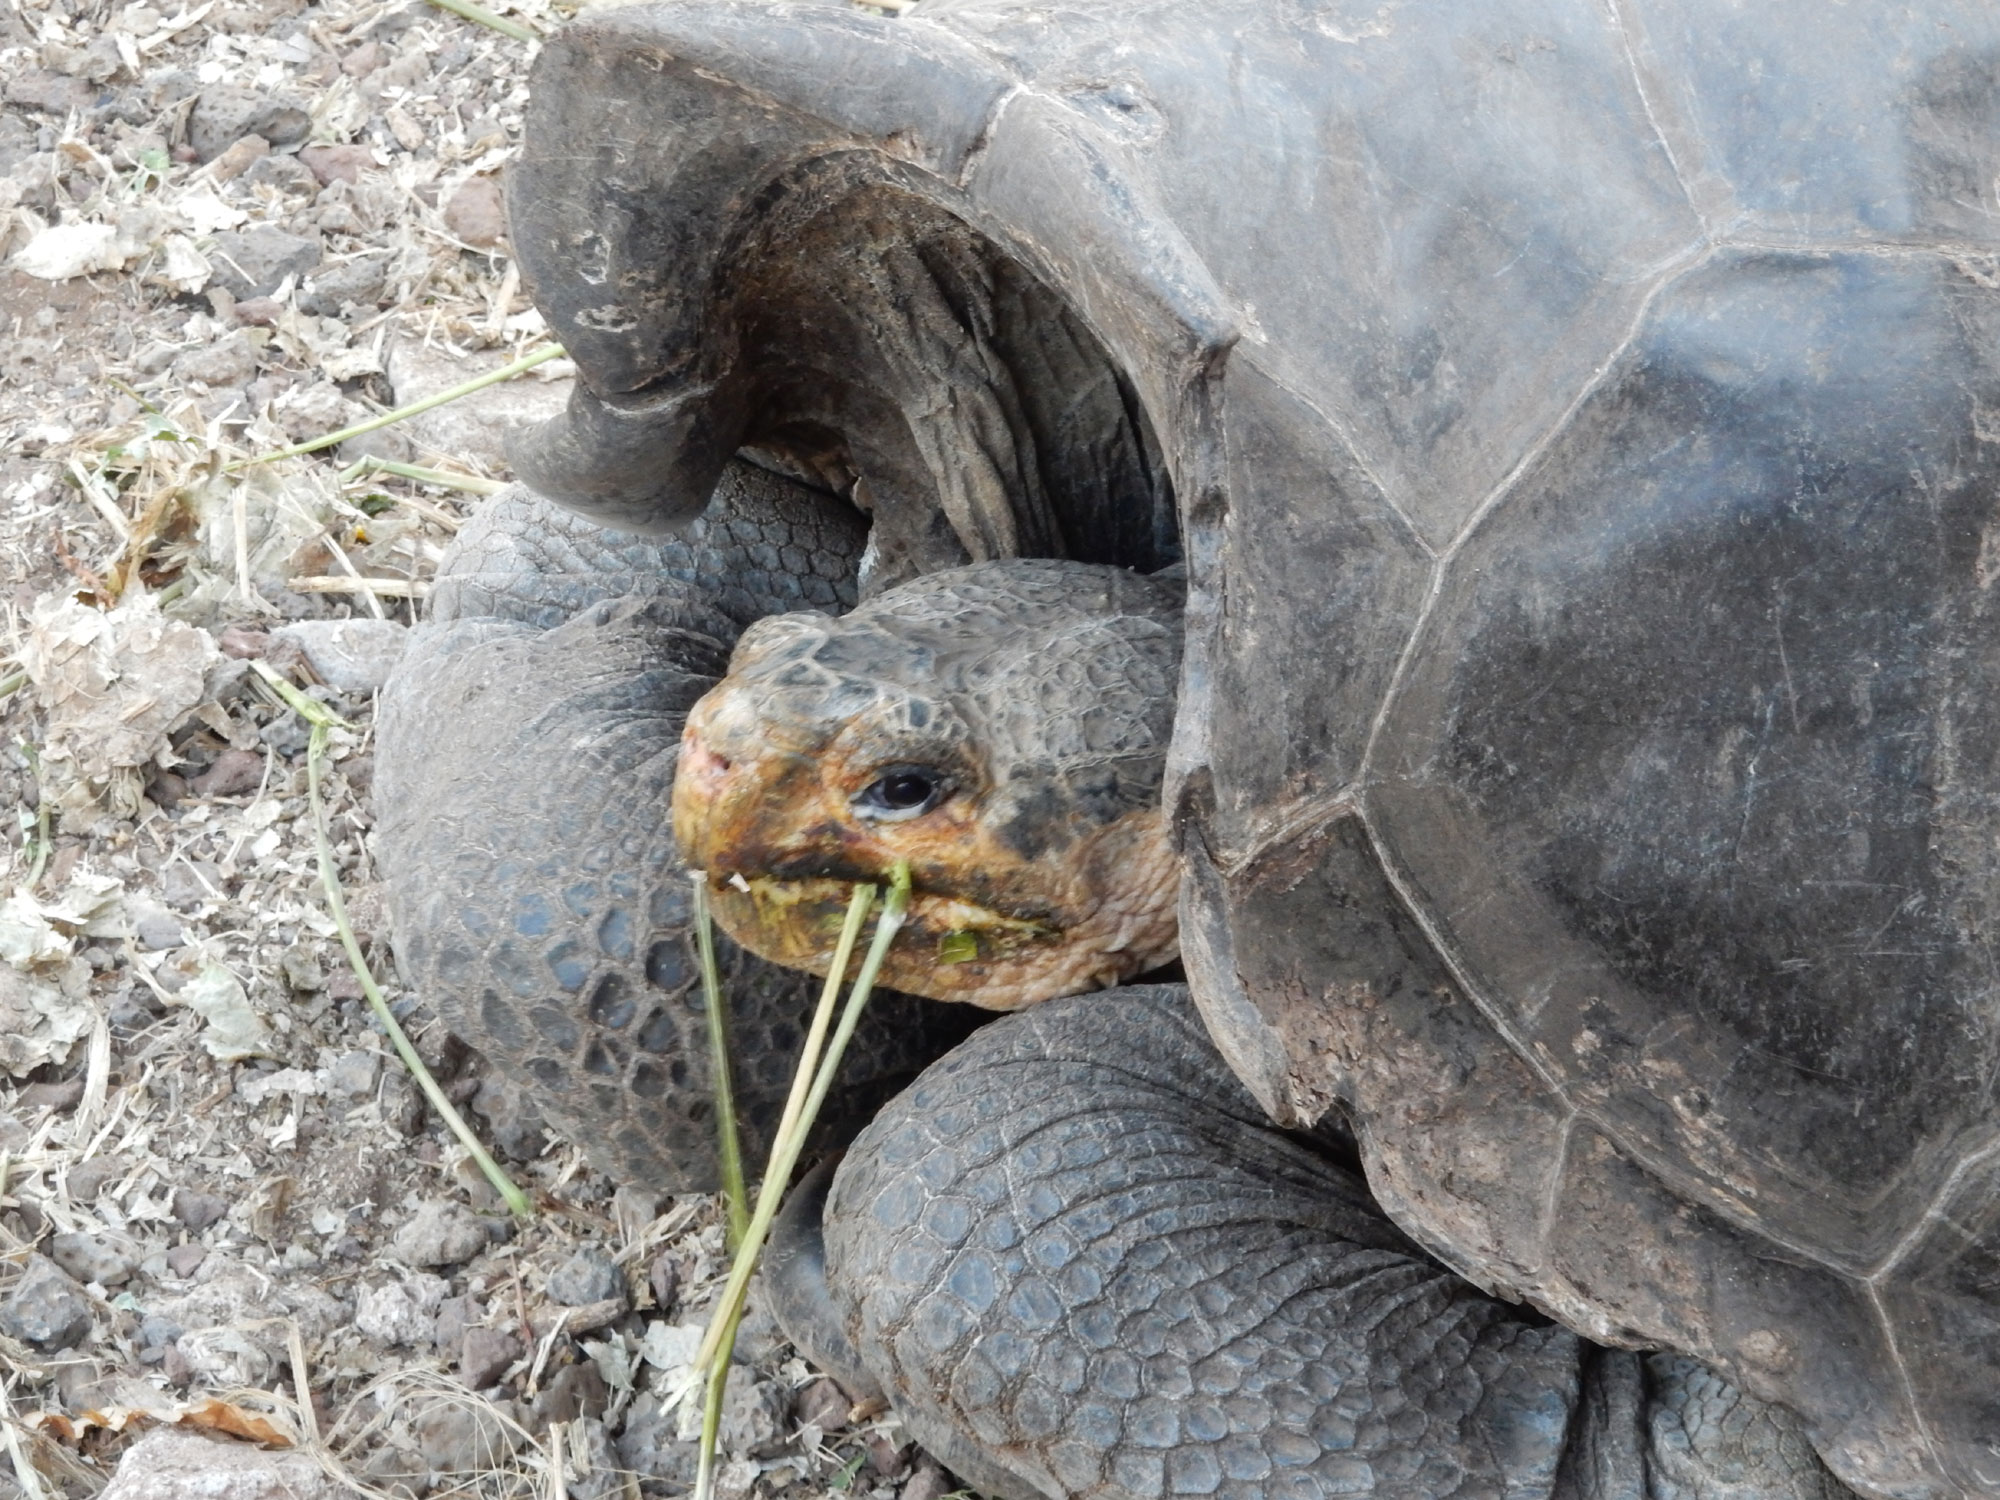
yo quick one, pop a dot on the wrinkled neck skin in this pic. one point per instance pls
(1003, 727)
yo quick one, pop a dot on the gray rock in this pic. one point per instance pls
(927, 1481)
(485, 1354)
(198, 1210)
(332, 288)
(455, 1315)
(440, 1234)
(350, 656)
(225, 113)
(753, 1418)
(477, 212)
(253, 262)
(513, 1125)
(650, 1444)
(456, 1439)
(286, 173)
(301, 970)
(603, 1481)
(185, 1260)
(356, 1074)
(227, 363)
(395, 1314)
(174, 1464)
(589, 1275)
(573, 1391)
(824, 1405)
(153, 926)
(663, 1278)
(90, 1257)
(230, 774)
(46, 1308)
(156, 1332)
(88, 1179)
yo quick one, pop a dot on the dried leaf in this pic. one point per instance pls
(115, 683)
(235, 1031)
(63, 251)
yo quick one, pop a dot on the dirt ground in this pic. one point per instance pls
(224, 1209)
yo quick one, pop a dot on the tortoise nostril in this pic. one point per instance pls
(698, 760)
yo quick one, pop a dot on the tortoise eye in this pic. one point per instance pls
(902, 792)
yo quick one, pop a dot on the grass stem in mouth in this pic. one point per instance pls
(801, 1110)
(728, 1142)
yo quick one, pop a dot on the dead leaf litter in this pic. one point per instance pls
(232, 1239)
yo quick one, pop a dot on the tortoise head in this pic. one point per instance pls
(1003, 727)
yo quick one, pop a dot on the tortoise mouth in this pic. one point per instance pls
(950, 948)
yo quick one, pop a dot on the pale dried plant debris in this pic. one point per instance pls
(201, 1134)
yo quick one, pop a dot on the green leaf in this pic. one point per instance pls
(958, 948)
(844, 1479)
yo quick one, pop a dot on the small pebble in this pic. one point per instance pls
(886, 1459)
(231, 774)
(87, 1179)
(824, 1404)
(228, 363)
(475, 212)
(393, 1314)
(753, 1418)
(155, 928)
(46, 1307)
(225, 113)
(254, 262)
(663, 1279)
(331, 164)
(172, 1463)
(198, 1210)
(485, 1355)
(927, 1481)
(241, 641)
(156, 1332)
(454, 1316)
(456, 1439)
(89, 1257)
(573, 1391)
(588, 1276)
(234, 161)
(356, 1073)
(59, 1097)
(185, 1260)
(440, 1234)
(301, 969)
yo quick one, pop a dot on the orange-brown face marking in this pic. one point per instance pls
(1001, 727)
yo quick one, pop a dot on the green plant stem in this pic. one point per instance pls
(472, 484)
(323, 721)
(777, 1171)
(711, 1410)
(785, 1151)
(12, 683)
(520, 366)
(486, 17)
(734, 1192)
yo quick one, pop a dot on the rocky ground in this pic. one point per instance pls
(225, 1213)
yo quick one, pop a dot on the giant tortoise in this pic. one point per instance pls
(1579, 425)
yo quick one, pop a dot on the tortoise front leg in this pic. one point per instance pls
(1075, 1249)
